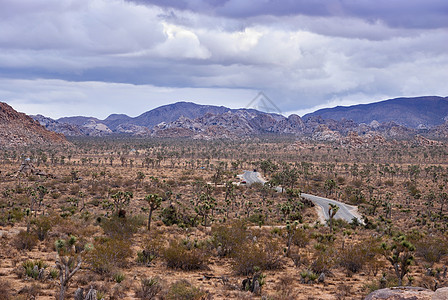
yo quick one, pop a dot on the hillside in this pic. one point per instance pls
(18, 129)
(419, 112)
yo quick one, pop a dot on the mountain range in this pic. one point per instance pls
(402, 118)
(395, 118)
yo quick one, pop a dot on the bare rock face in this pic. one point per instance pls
(402, 293)
(18, 129)
(93, 128)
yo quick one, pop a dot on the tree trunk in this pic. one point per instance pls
(149, 218)
(62, 292)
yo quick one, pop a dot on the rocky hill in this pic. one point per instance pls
(417, 113)
(18, 129)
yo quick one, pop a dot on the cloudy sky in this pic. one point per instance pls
(97, 57)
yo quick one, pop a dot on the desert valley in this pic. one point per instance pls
(202, 202)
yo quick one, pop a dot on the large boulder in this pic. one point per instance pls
(441, 294)
(402, 293)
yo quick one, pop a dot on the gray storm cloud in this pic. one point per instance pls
(304, 54)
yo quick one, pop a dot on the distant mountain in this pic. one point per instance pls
(419, 112)
(77, 120)
(115, 120)
(172, 112)
(402, 118)
(18, 129)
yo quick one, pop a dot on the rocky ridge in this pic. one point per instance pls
(17, 130)
(185, 119)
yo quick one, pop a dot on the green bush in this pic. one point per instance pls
(257, 218)
(32, 268)
(180, 255)
(118, 277)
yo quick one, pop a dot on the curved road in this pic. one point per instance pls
(345, 212)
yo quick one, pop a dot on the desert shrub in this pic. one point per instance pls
(323, 262)
(108, 255)
(55, 195)
(149, 288)
(353, 258)
(324, 238)
(182, 289)
(5, 289)
(284, 289)
(25, 240)
(54, 273)
(118, 277)
(181, 255)
(300, 238)
(16, 215)
(120, 228)
(257, 218)
(340, 180)
(248, 258)
(41, 226)
(152, 248)
(431, 248)
(30, 291)
(228, 238)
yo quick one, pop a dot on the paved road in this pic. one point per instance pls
(346, 212)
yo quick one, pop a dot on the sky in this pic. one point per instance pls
(98, 57)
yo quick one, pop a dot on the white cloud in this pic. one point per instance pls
(301, 60)
(58, 98)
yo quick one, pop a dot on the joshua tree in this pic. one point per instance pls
(330, 186)
(332, 210)
(154, 202)
(140, 177)
(206, 204)
(68, 263)
(399, 254)
(290, 229)
(121, 199)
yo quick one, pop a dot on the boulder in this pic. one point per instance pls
(441, 294)
(401, 293)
